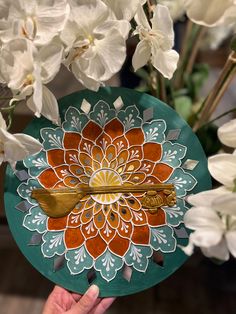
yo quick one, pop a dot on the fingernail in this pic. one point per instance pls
(93, 291)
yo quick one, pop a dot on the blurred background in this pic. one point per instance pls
(200, 286)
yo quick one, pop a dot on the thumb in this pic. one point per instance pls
(87, 302)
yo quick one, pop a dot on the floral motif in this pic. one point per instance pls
(104, 148)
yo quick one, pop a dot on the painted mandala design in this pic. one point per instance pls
(106, 147)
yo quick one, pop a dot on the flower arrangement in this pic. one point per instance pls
(89, 38)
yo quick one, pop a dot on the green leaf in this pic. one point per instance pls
(183, 105)
(143, 74)
(196, 80)
(209, 139)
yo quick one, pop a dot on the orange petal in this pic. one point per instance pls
(57, 224)
(141, 235)
(135, 178)
(55, 157)
(76, 170)
(151, 179)
(74, 220)
(162, 172)
(86, 216)
(89, 203)
(113, 219)
(71, 181)
(114, 164)
(139, 218)
(84, 179)
(125, 229)
(85, 160)
(71, 140)
(135, 137)
(125, 213)
(132, 203)
(97, 153)
(135, 152)
(114, 128)
(105, 163)
(73, 238)
(89, 230)
(107, 233)
(96, 246)
(86, 146)
(103, 141)
(62, 171)
(120, 143)
(157, 219)
(111, 153)
(99, 220)
(71, 157)
(146, 166)
(48, 178)
(92, 131)
(152, 151)
(59, 185)
(132, 166)
(119, 245)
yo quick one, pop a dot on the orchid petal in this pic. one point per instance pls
(205, 198)
(225, 204)
(141, 55)
(203, 218)
(162, 22)
(230, 237)
(123, 9)
(223, 168)
(227, 133)
(219, 251)
(50, 106)
(210, 13)
(206, 238)
(2, 122)
(51, 58)
(141, 18)
(164, 61)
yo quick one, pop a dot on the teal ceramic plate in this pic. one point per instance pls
(114, 136)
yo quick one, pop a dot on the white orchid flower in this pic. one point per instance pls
(96, 49)
(213, 216)
(213, 219)
(209, 13)
(227, 133)
(25, 69)
(123, 9)
(223, 166)
(16, 147)
(176, 8)
(156, 42)
(38, 21)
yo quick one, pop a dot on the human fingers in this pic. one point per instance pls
(87, 302)
(76, 296)
(103, 306)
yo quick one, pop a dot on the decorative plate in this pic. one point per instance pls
(112, 137)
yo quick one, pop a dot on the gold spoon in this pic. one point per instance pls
(60, 202)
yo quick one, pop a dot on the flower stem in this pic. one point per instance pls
(9, 111)
(188, 54)
(153, 83)
(211, 102)
(219, 117)
(162, 88)
(183, 53)
(197, 43)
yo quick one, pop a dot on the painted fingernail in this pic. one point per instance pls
(93, 291)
